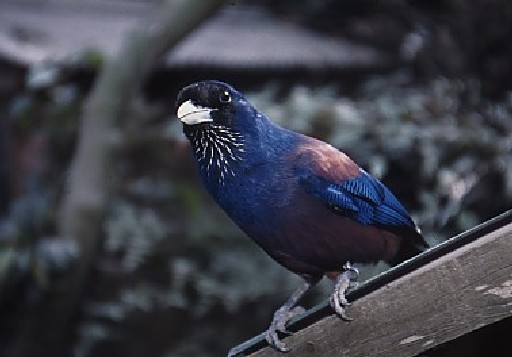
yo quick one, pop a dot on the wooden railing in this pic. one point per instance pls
(446, 292)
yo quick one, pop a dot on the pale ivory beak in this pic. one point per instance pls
(191, 114)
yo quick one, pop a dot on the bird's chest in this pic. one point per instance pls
(250, 178)
(265, 187)
(255, 196)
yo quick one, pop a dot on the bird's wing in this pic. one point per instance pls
(333, 178)
(363, 198)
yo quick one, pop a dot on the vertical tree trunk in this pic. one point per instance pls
(47, 329)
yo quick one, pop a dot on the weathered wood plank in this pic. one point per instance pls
(458, 292)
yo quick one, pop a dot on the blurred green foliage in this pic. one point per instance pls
(174, 273)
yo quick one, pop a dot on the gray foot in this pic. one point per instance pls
(338, 299)
(281, 318)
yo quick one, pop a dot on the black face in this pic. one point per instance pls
(207, 102)
(216, 119)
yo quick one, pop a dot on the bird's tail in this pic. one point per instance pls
(413, 243)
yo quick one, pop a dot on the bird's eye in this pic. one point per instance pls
(225, 97)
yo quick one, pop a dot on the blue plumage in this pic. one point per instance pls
(306, 204)
(366, 200)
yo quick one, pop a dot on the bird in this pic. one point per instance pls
(308, 205)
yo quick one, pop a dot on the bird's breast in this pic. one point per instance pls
(311, 238)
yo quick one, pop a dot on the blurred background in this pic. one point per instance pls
(109, 246)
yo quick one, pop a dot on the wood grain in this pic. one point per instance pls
(461, 291)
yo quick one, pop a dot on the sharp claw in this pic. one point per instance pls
(285, 331)
(281, 347)
(339, 307)
(344, 316)
(273, 340)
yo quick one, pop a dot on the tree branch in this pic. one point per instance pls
(84, 204)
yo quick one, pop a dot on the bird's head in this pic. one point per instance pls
(210, 104)
(220, 123)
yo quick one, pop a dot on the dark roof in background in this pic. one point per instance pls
(249, 36)
(33, 31)
(239, 36)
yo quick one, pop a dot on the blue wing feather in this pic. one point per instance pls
(363, 198)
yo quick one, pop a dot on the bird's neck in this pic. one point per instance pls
(219, 151)
(227, 155)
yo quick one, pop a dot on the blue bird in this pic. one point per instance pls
(306, 204)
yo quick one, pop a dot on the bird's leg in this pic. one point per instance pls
(355, 275)
(338, 300)
(283, 315)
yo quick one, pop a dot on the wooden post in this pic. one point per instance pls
(460, 286)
